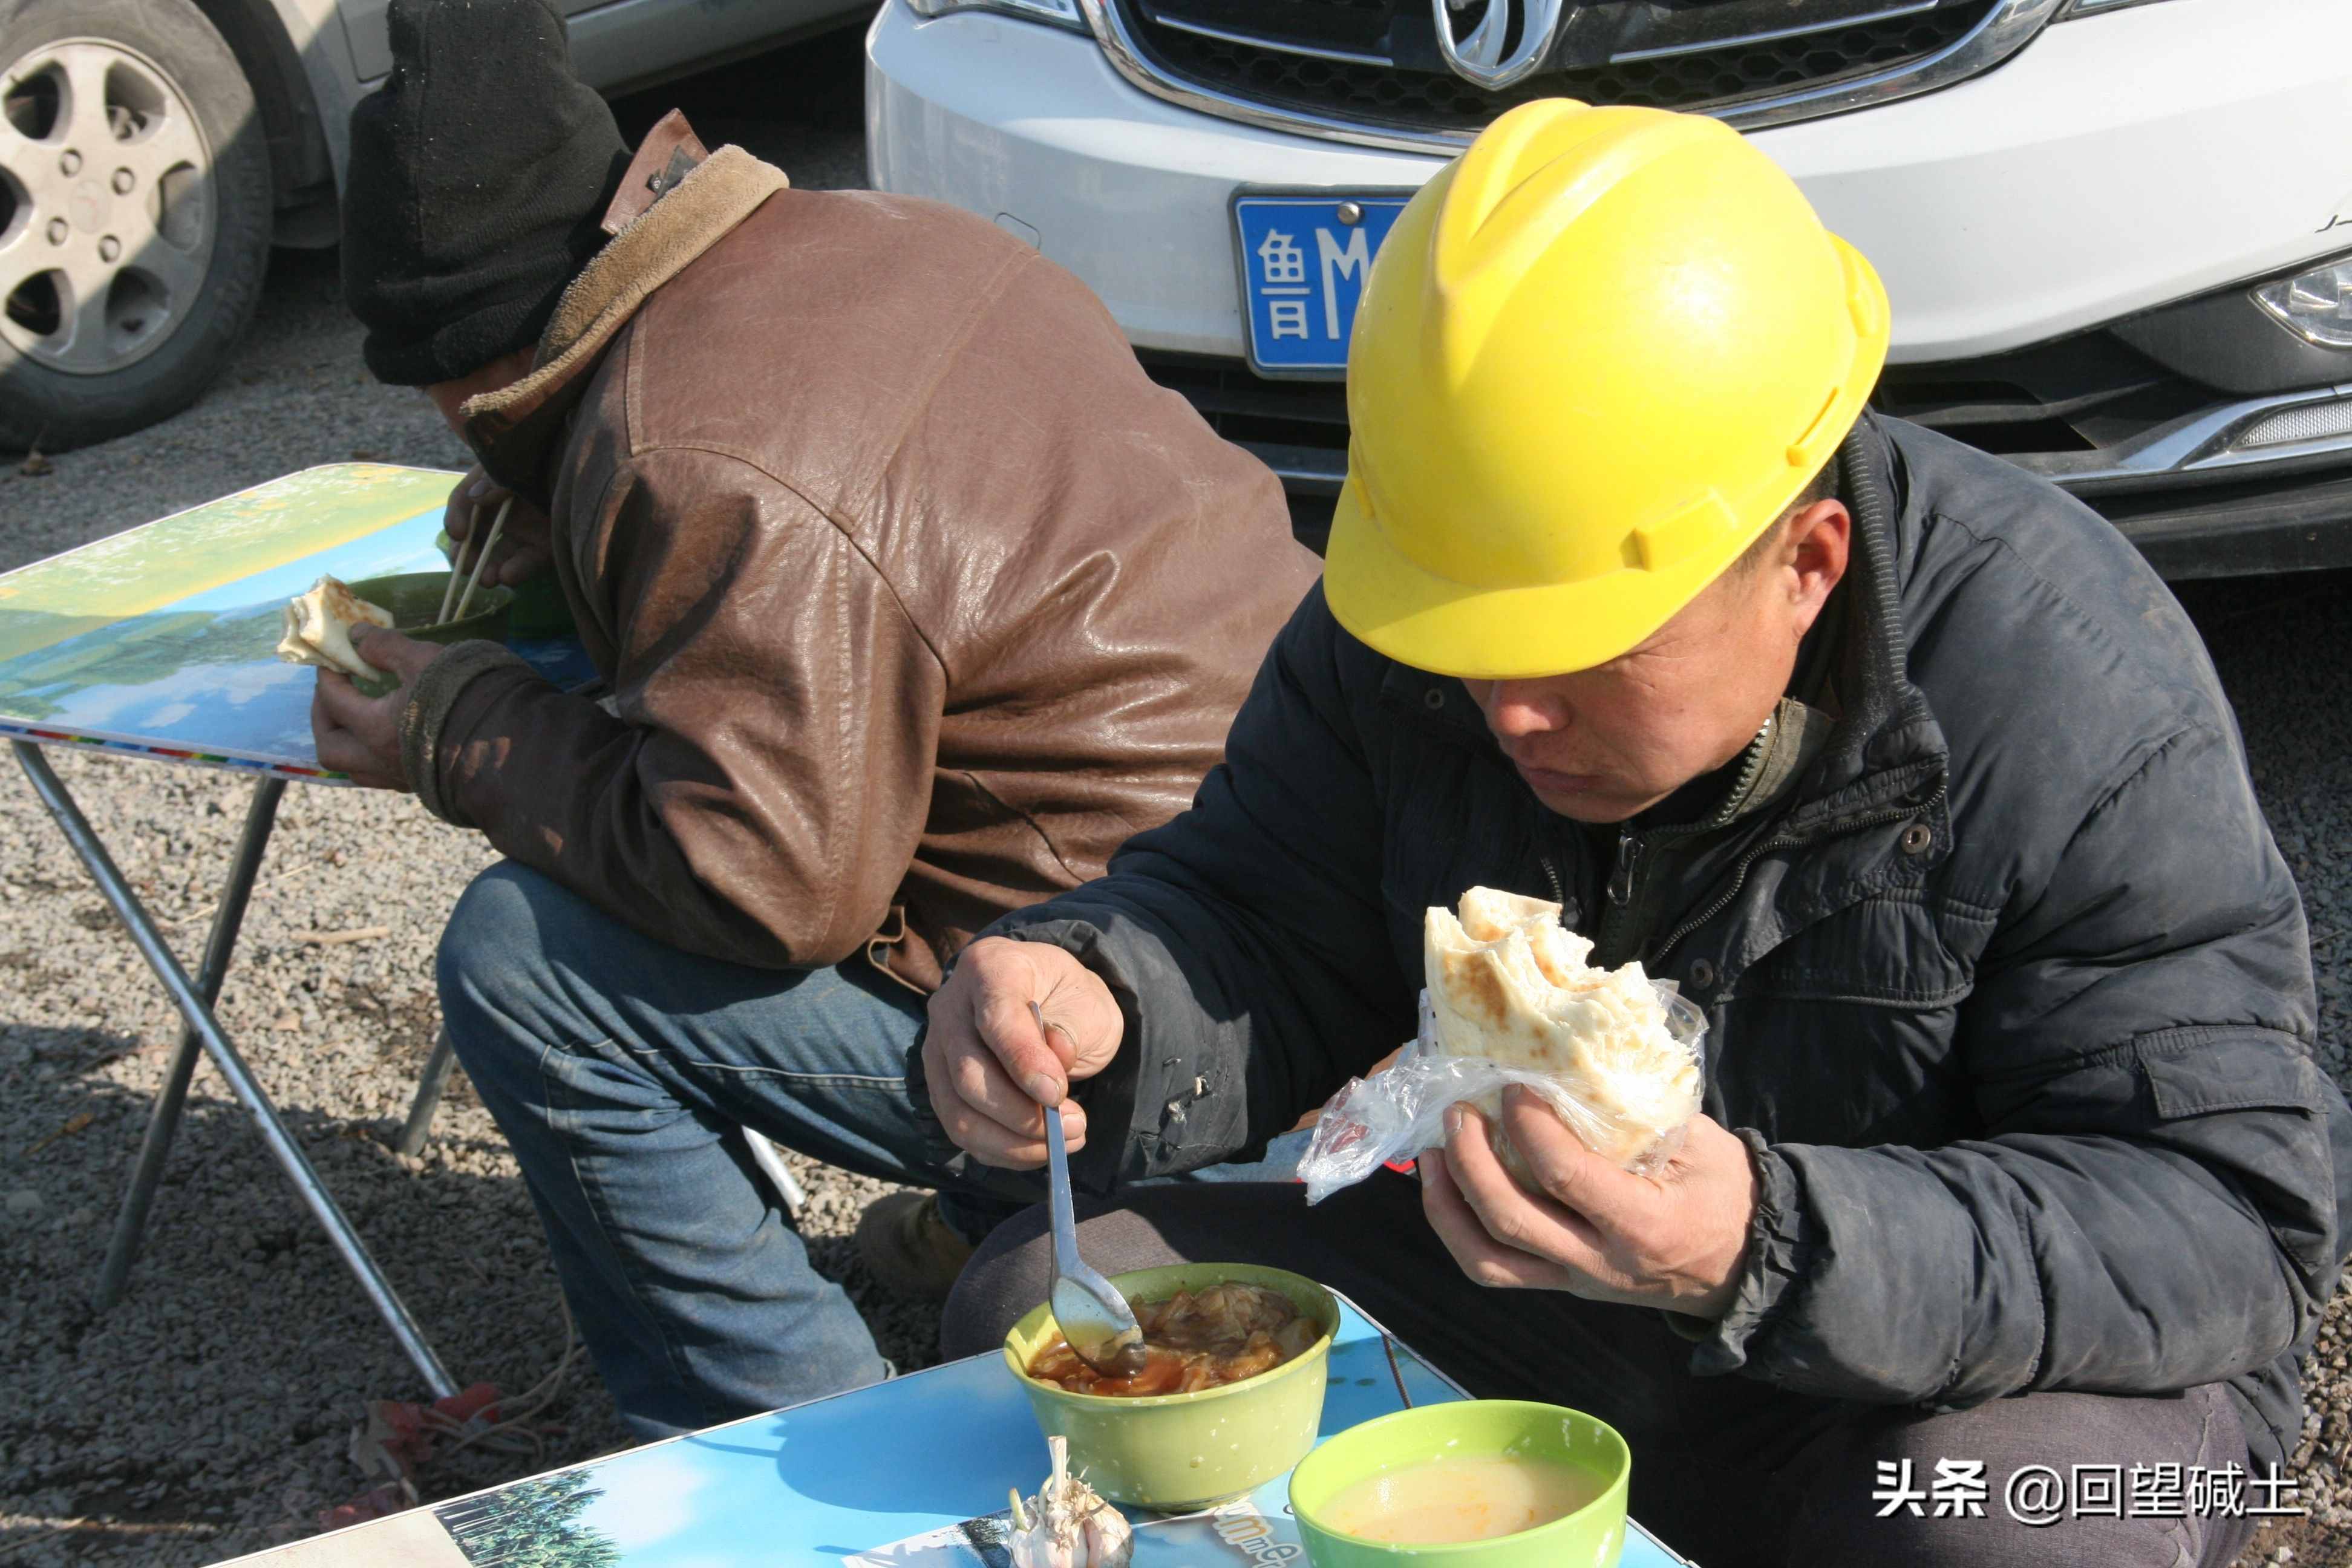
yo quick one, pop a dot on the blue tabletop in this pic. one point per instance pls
(889, 1474)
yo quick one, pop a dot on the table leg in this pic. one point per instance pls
(780, 1175)
(429, 1085)
(163, 1121)
(198, 1014)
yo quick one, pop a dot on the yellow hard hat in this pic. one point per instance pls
(1598, 354)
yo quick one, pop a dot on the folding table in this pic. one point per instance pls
(158, 643)
(911, 1473)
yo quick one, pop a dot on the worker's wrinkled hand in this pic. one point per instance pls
(989, 1069)
(525, 547)
(358, 734)
(1676, 1240)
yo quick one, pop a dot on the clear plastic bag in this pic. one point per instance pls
(1400, 1112)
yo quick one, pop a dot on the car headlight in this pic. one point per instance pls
(2094, 7)
(2315, 306)
(1059, 13)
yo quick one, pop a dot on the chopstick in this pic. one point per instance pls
(456, 564)
(489, 541)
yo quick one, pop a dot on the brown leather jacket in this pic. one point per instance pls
(917, 598)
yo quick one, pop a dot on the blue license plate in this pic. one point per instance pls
(1304, 260)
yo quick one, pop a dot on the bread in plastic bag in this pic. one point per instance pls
(318, 626)
(1511, 1000)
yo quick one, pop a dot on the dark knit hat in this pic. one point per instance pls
(480, 173)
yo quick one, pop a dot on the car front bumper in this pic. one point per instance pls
(2117, 165)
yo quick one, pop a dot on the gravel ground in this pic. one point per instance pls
(209, 1414)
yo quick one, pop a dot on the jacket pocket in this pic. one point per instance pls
(2200, 1071)
(2247, 1104)
(1889, 950)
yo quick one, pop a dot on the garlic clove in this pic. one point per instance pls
(1067, 1524)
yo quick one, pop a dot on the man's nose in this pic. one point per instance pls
(1517, 707)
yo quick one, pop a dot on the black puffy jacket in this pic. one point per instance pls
(2011, 994)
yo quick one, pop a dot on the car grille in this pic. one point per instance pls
(1376, 61)
(1298, 428)
(2056, 409)
(2038, 407)
(2083, 393)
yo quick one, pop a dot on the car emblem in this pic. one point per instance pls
(1479, 59)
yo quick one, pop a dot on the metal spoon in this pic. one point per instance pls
(1092, 1315)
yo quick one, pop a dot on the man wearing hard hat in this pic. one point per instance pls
(2014, 1167)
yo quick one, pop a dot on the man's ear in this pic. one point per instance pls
(1821, 539)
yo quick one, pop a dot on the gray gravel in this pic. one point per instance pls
(208, 1415)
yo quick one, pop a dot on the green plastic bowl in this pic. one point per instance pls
(1178, 1452)
(414, 600)
(1592, 1537)
(541, 609)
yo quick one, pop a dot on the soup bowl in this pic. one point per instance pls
(1593, 1536)
(540, 608)
(414, 598)
(1177, 1452)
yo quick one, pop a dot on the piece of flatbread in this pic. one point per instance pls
(318, 630)
(1508, 983)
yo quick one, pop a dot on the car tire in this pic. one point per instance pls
(128, 265)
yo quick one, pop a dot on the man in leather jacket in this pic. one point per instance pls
(914, 598)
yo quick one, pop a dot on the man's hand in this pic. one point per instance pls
(360, 735)
(525, 547)
(1676, 1240)
(990, 1071)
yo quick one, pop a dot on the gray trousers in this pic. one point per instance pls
(1728, 1470)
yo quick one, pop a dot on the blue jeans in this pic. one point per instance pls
(621, 1071)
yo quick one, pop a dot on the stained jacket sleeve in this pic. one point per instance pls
(760, 792)
(2153, 1205)
(1245, 940)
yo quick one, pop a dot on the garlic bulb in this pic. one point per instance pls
(1066, 1525)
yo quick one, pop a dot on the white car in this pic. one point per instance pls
(2117, 234)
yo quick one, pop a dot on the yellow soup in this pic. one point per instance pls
(1465, 1498)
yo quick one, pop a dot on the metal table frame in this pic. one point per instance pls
(200, 1030)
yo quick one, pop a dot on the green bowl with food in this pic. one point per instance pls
(1480, 1483)
(1230, 1394)
(539, 610)
(414, 599)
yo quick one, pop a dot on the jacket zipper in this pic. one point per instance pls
(1618, 894)
(1784, 841)
(1614, 940)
